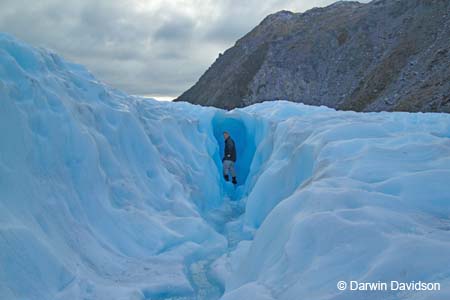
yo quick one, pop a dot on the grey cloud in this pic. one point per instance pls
(177, 28)
(171, 55)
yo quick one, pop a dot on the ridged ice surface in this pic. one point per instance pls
(108, 196)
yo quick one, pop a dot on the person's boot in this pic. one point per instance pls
(234, 180)
(226, 177)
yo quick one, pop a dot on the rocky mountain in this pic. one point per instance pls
(384, 55)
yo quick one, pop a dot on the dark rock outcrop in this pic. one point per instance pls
(384, 55)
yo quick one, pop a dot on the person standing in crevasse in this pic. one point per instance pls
(229, 158)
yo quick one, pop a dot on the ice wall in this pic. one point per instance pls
(345, 196)
(107, 196)
(101, 194)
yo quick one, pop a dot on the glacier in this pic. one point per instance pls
(104, 195)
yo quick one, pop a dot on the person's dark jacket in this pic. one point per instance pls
(230, 150)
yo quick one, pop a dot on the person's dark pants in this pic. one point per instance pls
(228, 169)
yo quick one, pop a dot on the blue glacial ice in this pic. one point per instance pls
(109, 196)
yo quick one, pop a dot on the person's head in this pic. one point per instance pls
(226, 134)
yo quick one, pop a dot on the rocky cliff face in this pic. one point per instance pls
(384, 55)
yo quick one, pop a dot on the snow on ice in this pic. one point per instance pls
(110, 196)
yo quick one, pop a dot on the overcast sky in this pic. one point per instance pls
(156, 48)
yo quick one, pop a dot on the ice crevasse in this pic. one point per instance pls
(109, 196)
